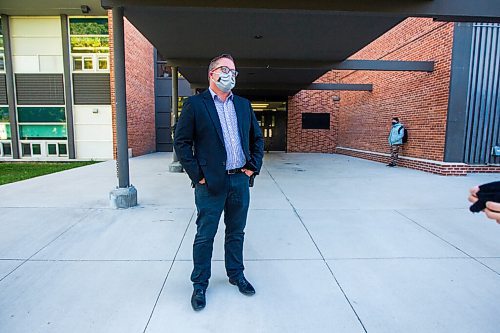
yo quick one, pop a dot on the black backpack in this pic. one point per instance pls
(405, 135)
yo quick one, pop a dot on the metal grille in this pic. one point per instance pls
(3, 90)
(483, 100)
(40, 89)
(92, 88)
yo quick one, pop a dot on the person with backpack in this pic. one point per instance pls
(397, 136)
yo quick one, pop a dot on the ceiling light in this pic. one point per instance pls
(85, 9)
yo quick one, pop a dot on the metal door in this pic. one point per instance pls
(273, 126)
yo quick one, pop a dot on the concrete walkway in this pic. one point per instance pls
(333, 244)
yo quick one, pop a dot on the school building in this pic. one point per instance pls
(58, 99)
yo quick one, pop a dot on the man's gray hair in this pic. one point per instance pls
(214, 61)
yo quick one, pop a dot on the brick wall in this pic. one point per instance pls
(139, 73)
(313, 140)
(361, 120)
(440, 168)
(419, 99)
(112, 79)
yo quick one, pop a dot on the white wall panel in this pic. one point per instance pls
(93, 131)
(36, 44)
(26, 64)
(35, 26)
(51, 64)
(96, 150)
(84, 114)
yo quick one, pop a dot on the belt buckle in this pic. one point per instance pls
(231, 172)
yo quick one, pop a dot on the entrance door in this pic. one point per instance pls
(273, 126)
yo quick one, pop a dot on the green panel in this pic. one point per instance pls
(88, 26)
(27, 132)
(4, 131)
(41, 115)
(4, 114)
(90, 44)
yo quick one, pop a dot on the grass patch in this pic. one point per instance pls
(13, 172)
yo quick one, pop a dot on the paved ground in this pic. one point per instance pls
(334, 244)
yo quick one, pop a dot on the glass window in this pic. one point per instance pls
(180, 105)
(163, 70)
(26, 148)
(41, 114)
(52, 149)
(48, 132)
(62, 149)
(77, 63)
(36, 149)
(89, 38)
(4, 114)
(7, 149)
(88, 63)
(103, 63)
(94, 44)
(4, 131)
(88, 26)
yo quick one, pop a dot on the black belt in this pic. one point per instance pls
(234, 171)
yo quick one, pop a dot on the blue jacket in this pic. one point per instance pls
(199, 128)
(396, 135)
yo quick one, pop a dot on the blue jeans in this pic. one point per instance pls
(234, 202)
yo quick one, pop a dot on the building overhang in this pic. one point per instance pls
(447, 10)
(287, 44)
(274, 42)
(50, 7)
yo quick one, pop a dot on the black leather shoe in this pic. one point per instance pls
(198, 300)
(243, 286)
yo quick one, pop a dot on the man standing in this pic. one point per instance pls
(395, 140)
(228, 150)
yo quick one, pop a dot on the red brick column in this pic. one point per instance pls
(139, 73)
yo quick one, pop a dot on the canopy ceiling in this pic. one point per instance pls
(279, 48)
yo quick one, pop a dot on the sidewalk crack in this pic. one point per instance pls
(447, 242)
(319, 251)
(169, 270)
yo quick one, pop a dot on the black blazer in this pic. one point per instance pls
(199, 127)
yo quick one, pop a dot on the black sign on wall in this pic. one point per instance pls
(315, 121)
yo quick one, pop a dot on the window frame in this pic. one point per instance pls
(95, 56)
(2, 152)
(43, 142)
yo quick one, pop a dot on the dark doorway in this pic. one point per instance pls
(163, 101)
(272, 118)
